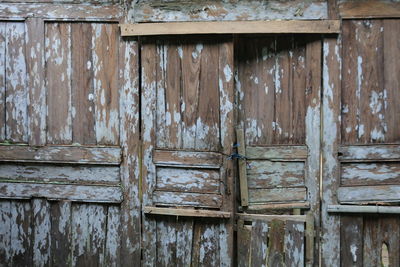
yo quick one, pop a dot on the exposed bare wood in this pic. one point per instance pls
(369, 9)
(243, 244)
(259, 243)
(187, 199)
(277, 152)
(276, 243)
(272, 206)
(263, 196)
(369, 194)
(186, 212)
(369, 153)
(187, 158)
(61, 11)
(61, 154)
(294, 244)
(379, 173)
(310, 239)
(244, 191)
(351, 240)
(3, 51)
(232, 27)
(42, 232)
(61, 233)
(113, 239)
(5, 227)
(155, 10)
(85, 193)
(363, 209)
(263, 217)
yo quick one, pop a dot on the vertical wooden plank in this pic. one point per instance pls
(184, 241)
(88, 234)
(259, 239)
(148, 96)
(83, 122)
(5, 232)
(41, 232)
(21, 236)
(197, 230)
(58, 77)
(209, 254)
(244, 190)
(36, 81)
(166, 241)
(243, 244)
(331, 64)
(351, 240)
(2, 81)
(105, 79)
(390, 232)
(130, 226)
(61, 233)
(113, 238)
(372, 242)
(227, 132)
(16, 89)
(294, 244)
(276, 243)
(391, 54)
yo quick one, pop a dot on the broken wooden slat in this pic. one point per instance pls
(363, 209)
(277, 152)
(369, 9)
(187, 158)
(259, 243)
(351, 252)
(231, 27)
(85, 193)
(258, 196)
(60, 173)
(288, 205)
(41, 232)
(294, 244)
(244, 191)
(61, 154)
(61, 233)
(251, 217)
(390, 232)
(369, 153)
(267, 174)
(58, 12)
(369, 194)
(159, 11)
(187, 199)
(188, 180)
(360, 174)
(186, 212)
(36, 71)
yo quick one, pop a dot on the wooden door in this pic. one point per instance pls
(68, 152)
(361, 144)
(278, 96)
(187, 129)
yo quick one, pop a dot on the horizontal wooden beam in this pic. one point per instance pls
(168, 198)
(369, 9)
(369, 153)
(187, 212)
(291, 153)
(80, 193)
(369, 194)
(262, 217)
(231, 27)
(363, 209)
(290, 205)
(61, 154)
(187, 159)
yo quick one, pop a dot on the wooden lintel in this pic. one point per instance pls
(231, 27)
(263, 217)
(369, 9)
(181, 212)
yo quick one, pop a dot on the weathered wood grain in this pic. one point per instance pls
(61, 11)
(257, 196)
(351, 242)
(276, 243)
(244, 191)
(267, 174)
(369, 194)
(3, 40)
(280, 206)
(187, 158)
(186, 212)
(21, 249)
(243, 244)
(209, 248)
(371, 241)
(61, 240)
(184, 242)
(153, 11)
(269, 217)
(35, 46)
(62, 154)
(277, 152)
(16, 87)
(259, 243)
(60, 173)
(363, 209)
(369, 9)
(188, 180)
(88, 234)
(105, 83)
(41, 232)
(58, 82)
(369, 153)
(390, 231)
(187, 199)
(5, 231)
(294, 243)
(358, 174)
(113, 238)
(83, 106)
(107, 194)
(166, 241)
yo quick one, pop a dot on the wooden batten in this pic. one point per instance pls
(187, 212)
(244, 190)
(280, 206)
(263, 217)
(231, 27)
(369, 9)
(363, 209)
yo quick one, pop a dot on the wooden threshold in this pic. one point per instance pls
(187, 212)
(231, 27)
